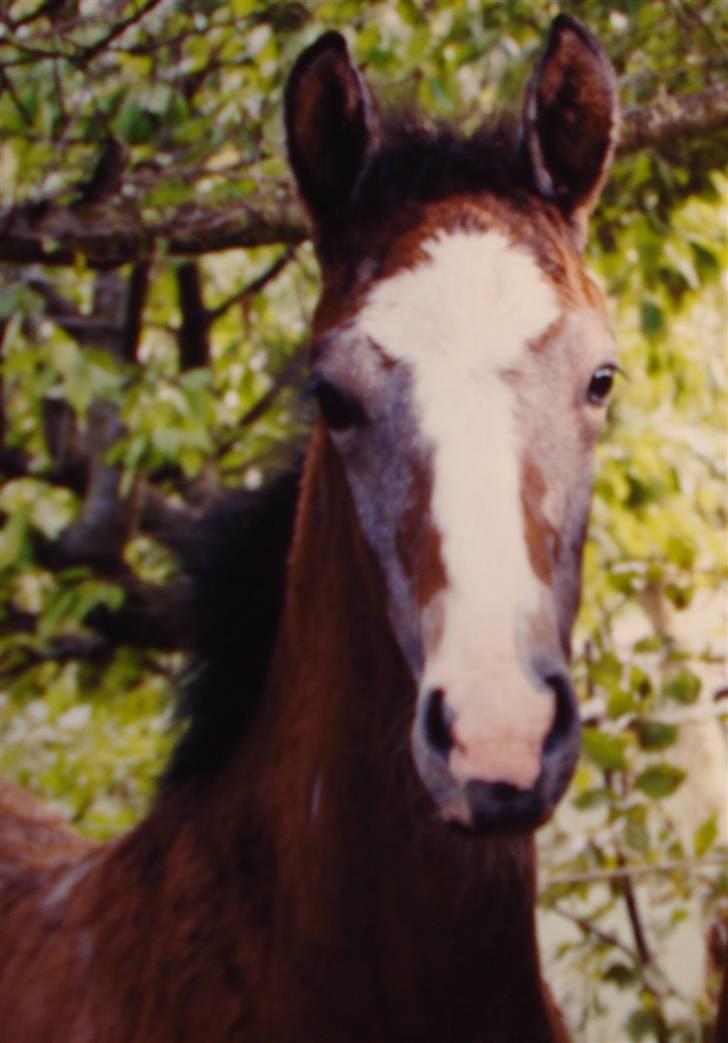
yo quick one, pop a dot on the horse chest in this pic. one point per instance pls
(400, 962)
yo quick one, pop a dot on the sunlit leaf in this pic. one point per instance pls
(659, 780)
(604, 750)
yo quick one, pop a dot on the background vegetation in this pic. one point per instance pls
(155, 287)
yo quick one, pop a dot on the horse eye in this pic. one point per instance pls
(339, 410)
(600, 385)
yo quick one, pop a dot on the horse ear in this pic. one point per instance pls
(571, 120)
(331, 125)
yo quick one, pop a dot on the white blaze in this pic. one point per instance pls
(458, 320)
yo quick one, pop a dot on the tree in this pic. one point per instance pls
(156, 277)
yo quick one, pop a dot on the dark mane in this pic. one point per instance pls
(236, 566)
(421, 162)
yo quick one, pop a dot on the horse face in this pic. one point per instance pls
(463, 376)
(464, 399)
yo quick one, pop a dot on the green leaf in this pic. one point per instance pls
(13, 539)
(94, 593)
(619, 703)
(683, 687)
(168, 440)
(644, 1023)
(607, 671)
(705, 836)
(636, 834)
(653, 643)
(604, 750)
(10, 300)
(659, 780)
(655, 735)
(594, 798)
(652, 319)
(134, 125)
(621, 974)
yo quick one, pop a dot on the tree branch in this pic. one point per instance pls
(587, 926)
(255, 286)
(84, 329)
(6, 84)
(64, 650)
(169, 523)
(14, 463)
(136, 296)
(612, 941)
(285, 377)
(89, 53)
(153, 615)
(66, 446)
(114, 234)
(664, 121)
(193, 335)
(3, 418)
(688, 865)
(48, 7)
(635, 919)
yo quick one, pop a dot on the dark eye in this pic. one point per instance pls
(601, 384)
(339, 410)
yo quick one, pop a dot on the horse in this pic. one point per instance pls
(341, 849)
(721, 1025)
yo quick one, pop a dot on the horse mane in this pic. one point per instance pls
(235, 564)
(422, 161)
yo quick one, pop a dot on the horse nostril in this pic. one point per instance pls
(565, 717)
(437, 729)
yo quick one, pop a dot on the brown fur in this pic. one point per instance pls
(721, 1025)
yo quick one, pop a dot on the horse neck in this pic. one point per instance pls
(340, 897)
(364, 867)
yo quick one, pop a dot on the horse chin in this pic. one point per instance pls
(486, 808)
(485, 815)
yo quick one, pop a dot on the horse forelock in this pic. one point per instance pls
(427, 174)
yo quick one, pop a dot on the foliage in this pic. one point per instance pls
(155, 290)
(657, 546)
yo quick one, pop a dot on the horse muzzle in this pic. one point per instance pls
(499, 763)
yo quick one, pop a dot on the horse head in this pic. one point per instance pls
(462, 360)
